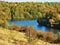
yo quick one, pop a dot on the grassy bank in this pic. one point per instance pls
(11, 37)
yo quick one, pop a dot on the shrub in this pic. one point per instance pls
(3, 23)
(47, 36)
(59, 37)
(50, 37)
(14, 27)
(30, 32)
(39, 34)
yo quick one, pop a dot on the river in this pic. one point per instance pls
(32, 23)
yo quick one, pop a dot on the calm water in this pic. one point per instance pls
(32, 23)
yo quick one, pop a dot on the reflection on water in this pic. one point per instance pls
(32, 23)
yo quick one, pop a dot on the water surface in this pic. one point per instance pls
(32, 23)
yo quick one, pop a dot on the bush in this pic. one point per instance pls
(30, 32)
(47, 36)
(59, 37)
(50, 37)
(3, 23)
(39, 34)
(14, 27)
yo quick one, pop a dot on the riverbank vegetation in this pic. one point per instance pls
(51, 19)
(33, 34)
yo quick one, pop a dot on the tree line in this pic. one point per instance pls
(26, 10)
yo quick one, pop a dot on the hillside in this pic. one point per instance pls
(10, 37)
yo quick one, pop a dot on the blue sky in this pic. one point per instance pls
(33, 0)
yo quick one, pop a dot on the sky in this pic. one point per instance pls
(32, 0)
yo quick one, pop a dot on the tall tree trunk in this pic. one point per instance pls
(12, 13)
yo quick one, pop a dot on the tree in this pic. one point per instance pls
(12, 10)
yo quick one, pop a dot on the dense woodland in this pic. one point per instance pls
(26, 10)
